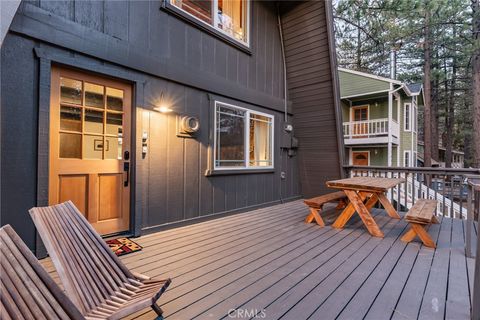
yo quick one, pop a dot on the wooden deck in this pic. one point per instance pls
(270, 263)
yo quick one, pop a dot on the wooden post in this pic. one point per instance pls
(470, 219)
(476, 285)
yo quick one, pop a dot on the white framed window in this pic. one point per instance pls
(414, 118)
(230, 17)
(243, 138)
(407, 117)
(406, 159)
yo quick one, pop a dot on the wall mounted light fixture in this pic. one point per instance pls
(163, 107)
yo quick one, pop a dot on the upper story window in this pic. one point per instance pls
(243, 138)
(407, 116)
(230, 17)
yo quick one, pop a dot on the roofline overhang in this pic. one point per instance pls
(372, 76)
(365, 94)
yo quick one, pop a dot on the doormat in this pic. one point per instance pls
(122, 246)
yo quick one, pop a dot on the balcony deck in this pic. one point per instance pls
(269, 261)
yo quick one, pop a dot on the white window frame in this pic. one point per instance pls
(405, 157)
(247, 165)
(407, 106)
(215, 21)
(414, 117)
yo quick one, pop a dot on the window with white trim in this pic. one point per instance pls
(230, 17)
(407, 116)
(243, 138)
(406, 161)
(414, 118)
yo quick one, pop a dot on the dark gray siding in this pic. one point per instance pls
(310, 87)
(138, 34)
(171, 184)
(19, 73)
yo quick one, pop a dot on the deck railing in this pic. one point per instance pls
(369, 128)
(450, 187)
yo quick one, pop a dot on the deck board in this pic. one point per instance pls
(270, 263)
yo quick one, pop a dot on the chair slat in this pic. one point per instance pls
(29, 287)
(27, 291)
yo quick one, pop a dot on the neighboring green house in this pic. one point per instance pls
(379, 119)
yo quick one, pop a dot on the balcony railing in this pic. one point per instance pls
(370, 129)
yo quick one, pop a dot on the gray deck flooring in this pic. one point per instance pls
(269, 263)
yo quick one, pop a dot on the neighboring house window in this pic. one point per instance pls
(407, 159)
(407, 116)
(243, 138)
(414, 118)
(230, 17)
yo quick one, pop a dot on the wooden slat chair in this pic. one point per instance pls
(26, 289)
(97, 282)
(420, 216)
(316, 205)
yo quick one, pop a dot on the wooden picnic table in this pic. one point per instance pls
(364, 193)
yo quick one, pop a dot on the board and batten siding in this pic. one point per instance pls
(311, 90)
(120, 40)
(142, 36)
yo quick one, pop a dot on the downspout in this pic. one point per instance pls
(336, 85)
(390, 107)
(280, 30)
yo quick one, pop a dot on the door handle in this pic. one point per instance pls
(126, 169)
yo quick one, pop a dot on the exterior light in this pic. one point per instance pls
(163, 108)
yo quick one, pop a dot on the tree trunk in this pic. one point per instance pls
(450, 110)
(476, 81)
(359, 49)
(434, 111)
(427, 117)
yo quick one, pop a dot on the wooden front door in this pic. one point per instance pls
(90, 147)
(360, 158)
(360, 114)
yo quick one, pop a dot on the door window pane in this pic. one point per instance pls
(93, 121)
(93, 95)
(113, 148)
(70, 91)
(230, 137)
(93, 147)
(70, 118)
(260, 141)
(114, 123)
(114, 99)
(70, 145)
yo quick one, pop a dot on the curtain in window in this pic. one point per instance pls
(260, 141)
(230, 16)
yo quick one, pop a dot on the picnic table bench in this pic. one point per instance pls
(420, 216)
(316, 205)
